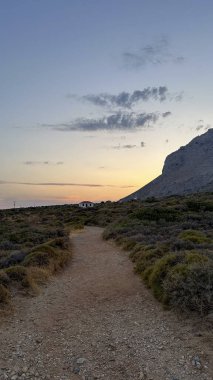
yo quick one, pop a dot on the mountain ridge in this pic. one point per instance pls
(185, 171)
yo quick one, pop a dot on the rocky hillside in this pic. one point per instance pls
(188, 170)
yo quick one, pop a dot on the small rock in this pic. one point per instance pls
(143, 375)
(80, 361)
(196, 362)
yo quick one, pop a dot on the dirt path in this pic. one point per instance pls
(97, 321)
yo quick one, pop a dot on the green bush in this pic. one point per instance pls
(190, 287)
(53, 256)
(147, 258)
(194, 236)
(161, 268)
(157, 213)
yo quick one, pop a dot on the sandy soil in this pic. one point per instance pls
(96, 320)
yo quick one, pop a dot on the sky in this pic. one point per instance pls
(95, 94)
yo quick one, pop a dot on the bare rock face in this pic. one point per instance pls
(188, 170)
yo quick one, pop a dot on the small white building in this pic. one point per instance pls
(86, 204)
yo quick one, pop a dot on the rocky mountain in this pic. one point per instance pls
(188, 170)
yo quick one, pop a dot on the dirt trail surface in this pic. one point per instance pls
(97, 321)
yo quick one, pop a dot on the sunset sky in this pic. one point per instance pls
(94, 94)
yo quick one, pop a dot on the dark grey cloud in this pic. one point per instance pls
(157, 53)
(166, 114)
(117, 121)
(130, 99)
(34, 163)
(127, 146)
(179, 59)
(62, 184)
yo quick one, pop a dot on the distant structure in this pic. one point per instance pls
(86, 204)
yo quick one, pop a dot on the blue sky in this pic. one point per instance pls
(67, 67)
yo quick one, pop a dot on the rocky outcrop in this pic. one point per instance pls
(188, 170)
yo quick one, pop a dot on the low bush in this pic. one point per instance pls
(39, 276)
(4, 279)
(37, 259)
(18, 274)
(190, 287)
(13, 259)
(160, 270)
(171, 245)
(52, 256)
(157, 213)
(4, 294)
(193, 236)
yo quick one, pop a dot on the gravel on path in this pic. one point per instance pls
(96, 320)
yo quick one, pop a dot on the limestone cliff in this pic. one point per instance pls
(188, 170)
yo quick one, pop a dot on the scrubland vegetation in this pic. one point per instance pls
(34, 244)
(170, 243)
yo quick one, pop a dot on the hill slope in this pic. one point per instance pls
(188, 170)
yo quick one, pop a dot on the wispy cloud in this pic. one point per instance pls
(61, 184)
(129, 99)
(45, 163)
(127, 146)
(166, 114)
(156, 53)
(202, 126)
(118, 121)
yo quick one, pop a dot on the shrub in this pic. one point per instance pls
(147, 258)
(157, 213)
(19, 275)
(4, 279)
(48, 256)
(160, 270)
(39, 276)
(14, 258)
(194, 236)
(7, 245)
(197, 206)
(37, 259)
(128, 244)
(62, 243)
(4, 294)
(191, 287)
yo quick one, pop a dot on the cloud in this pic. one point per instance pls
(166, 114)
(127, 146)
(157, 53)
(62, 184)
(202, 126)
(33, 163)
(128, 100)
(117, 121)
(142, 144)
